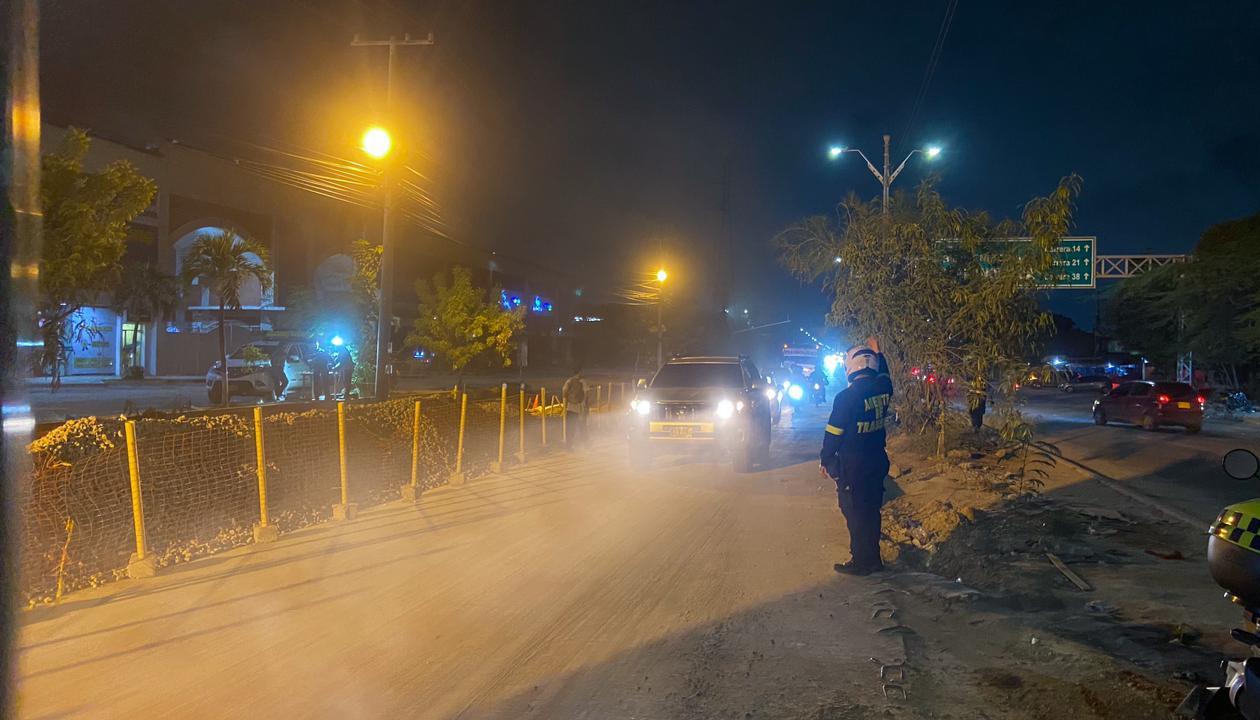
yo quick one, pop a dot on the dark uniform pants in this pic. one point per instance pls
(860, 502)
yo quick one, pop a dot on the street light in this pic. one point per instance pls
(376, 142)
(885, 178)
(661, 277)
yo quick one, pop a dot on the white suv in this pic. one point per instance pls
(250, 373)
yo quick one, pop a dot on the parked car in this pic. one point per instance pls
(250, 372)
(717, 402)
(1152, 404)
(1097, 383)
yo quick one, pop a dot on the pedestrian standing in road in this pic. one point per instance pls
(345, 372)
(977, 403)
(574, 395)
(854, 455)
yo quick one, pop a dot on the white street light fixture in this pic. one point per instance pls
(886, 177)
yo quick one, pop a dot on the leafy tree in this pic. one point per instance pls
(1209, 306)
(86, 216)
(222, 261)
(461, 323)
(146, 293)
(941, 287)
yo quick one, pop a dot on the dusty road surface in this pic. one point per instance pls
(571, 588)
(1169, 465)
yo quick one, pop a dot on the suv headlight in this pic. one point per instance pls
(643, 407)
(725, 409)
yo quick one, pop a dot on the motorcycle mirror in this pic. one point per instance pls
(1241, 464)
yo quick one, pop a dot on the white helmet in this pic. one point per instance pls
(859, 358)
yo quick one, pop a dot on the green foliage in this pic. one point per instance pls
(939, 286)
(85, 222)
(461, 323)
(1210, 306)
(1036, 459)
(222, 261)
(146, 293)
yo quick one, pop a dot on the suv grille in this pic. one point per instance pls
(682, 411)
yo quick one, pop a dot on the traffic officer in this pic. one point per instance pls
(853, 452)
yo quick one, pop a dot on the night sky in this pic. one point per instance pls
(597, 136)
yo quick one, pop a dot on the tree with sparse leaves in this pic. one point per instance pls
(86, 215)
(224, 262)
(460, 322)
(942, 287)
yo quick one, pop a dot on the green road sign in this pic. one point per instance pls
(1073, 263)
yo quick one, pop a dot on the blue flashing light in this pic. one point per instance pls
(337, 341)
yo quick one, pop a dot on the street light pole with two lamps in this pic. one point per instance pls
(888, 175)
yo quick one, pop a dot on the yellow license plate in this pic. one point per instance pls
(680, 430)
(1183, 405)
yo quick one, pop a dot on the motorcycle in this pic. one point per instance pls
(819, 394)
(1234, 563)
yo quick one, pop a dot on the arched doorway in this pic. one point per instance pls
(252, 295)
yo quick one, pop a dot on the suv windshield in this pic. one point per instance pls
(1174, 390)
(697, 375)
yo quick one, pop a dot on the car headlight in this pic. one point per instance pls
(796, 392)
(725, 409)
(643, 407)
(770, 393)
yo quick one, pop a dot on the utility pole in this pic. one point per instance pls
(385, 305)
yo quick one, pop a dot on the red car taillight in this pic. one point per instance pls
(1202, 400)
(1164, 399)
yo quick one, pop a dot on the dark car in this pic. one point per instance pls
(703, 401)
(1151, 404)
(1099, 383)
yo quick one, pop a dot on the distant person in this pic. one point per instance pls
(574, 395)
(977, 403)
(318, 363)
(279, 378)
(854, 455)
(345, 371)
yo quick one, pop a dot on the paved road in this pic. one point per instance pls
(1168, 464)
(571, 588)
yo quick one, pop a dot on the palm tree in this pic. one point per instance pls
(145, 293)
(224, 262)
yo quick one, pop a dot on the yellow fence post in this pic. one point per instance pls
(564, 422)
(520, 455)
(264, 531)
(141, 564)
(458, 477)
(455, 390)
(542, 413)
(346, 509)
(411, 491)
(498, 465)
